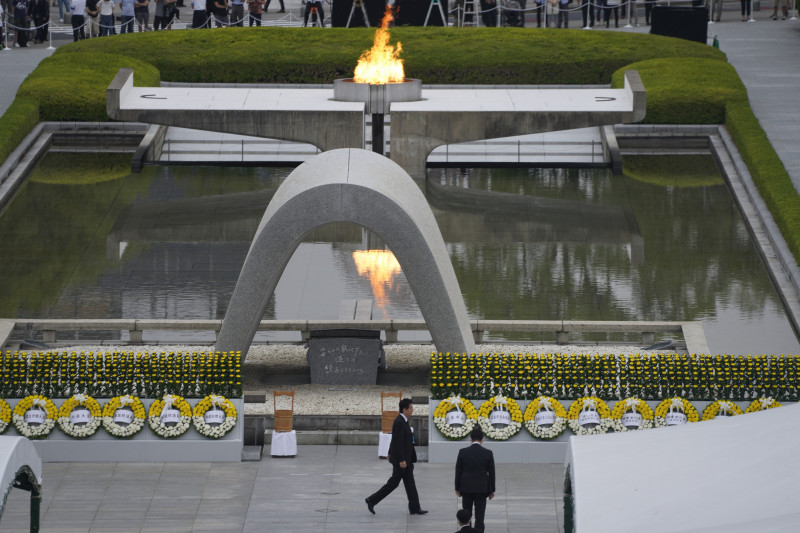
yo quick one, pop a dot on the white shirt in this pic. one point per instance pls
(199, 5)
(78, 7)
(1, 15)
(106, 7)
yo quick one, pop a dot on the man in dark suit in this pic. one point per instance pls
(402, 456)
(475, 477)
(463, 516)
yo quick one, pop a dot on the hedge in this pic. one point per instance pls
(704, 91)
(434, 55)
(20, 118)
(73, 86)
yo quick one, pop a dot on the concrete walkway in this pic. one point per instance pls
(322, 489)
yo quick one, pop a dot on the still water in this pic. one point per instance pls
(662, 242)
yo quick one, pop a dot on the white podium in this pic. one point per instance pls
(384, 440)
(284, 444)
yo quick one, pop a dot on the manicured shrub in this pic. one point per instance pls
(434, 55)
(16, 122)
(73, 86)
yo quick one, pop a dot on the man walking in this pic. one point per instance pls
(402, 456)
(475, 477)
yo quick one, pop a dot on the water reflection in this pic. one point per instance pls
(525, 243)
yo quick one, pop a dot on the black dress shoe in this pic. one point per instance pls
(370, 507)
(419, 511)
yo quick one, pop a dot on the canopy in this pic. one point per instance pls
(19, 462)
(731, 474)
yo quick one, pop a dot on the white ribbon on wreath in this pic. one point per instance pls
(81, 398)
(169, 400)
(631, 404)
(455, 401)
(725, 408)
(217, 401)
(500, 403)
(766, 402)
(589, 405)
(544, 405)
(676, 404)
(126, 400)
(39, 402)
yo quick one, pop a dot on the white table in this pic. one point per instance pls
(284, 444)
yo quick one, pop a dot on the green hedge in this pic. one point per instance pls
(73, 86)
(20, 118)
(703, 91)
(434, 55)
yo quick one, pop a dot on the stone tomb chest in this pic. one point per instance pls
(345, 356)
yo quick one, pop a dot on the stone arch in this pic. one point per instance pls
(372, 191)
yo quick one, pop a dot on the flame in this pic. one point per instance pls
(381, 267)
(381, 64)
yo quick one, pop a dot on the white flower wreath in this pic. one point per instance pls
(502, 404)
(77, 425)
(455, 431)
(634, 406)
(551, 409)
(721, 408)
(207, 404)
(159, 427)
(588, 404)
(675, 404)
(35, 431)
(116, 428)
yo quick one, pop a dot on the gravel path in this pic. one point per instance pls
(273, 362)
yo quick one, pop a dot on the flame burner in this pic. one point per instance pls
(378, 99)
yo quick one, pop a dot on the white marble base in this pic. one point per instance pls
(384, 440)
(284, 444)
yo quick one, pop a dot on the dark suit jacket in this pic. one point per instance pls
(401, 448)
(467, 529)
(475, 470)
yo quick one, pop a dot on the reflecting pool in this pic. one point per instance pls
(664, 241)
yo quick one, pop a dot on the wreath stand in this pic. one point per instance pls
(387, 421)
(284, 438)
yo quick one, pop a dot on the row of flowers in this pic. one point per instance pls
(109, 374)
(80, 416)
(545, 417)
(613, 377)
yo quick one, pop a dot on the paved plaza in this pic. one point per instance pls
(322, 489)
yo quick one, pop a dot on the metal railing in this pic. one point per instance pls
(559, 328)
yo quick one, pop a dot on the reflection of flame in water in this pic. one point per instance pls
(381, 267)
(381, 63)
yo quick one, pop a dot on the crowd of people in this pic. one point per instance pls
(29, 19)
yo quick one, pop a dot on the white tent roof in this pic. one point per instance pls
(16, 453)
(738, 474)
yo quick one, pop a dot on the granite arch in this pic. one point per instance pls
(374, 192)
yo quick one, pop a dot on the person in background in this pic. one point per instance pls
(463, 517)
(587, 10)
(40, 11)
(127, 12)
(2, 27)
(784, 9)
(106, 8)
(141, 11)
(21, 20)
(489, 15)
(746, 4)
(254, 9)
(92, 18)
(475, 477)
(221, 12)
(320, 12)
(648, 10)
(199, 16)
(563, 13)
(266, 6)
(551, 14)
(171, 13)
(539, 8)
(237, 12)
(78, 8)
(612, 5)
(159, 22)
(63, 6)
